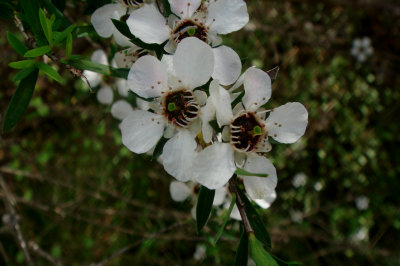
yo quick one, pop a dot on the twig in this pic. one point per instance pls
(35, 247)
(9, 202)
(240, 205)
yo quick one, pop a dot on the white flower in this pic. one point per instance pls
(299, 180)
(362, 49)
(121, 109)
(200, 253)
(126, 58)
(296, 216)
(249, 132)
(362, 203)
(179, 108)
(105, 95)
(201, 19)
(102, 23)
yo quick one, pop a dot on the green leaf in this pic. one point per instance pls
(167, 8)
(22, 64)
(49, 71)
(204, 206)
(225, 219)
(255, 220)
(51, 8)
(59, 37)
(46, 26)
(23, 73)
(259, 254)
(242, 253)
(159, 148)
(31, 11)
(243, 172)
(18, 46)
(38, 51)
(99, 68)
(20, 101)
(284, 263)
(6, 11)
(123, 28)
(68, 46)
(214, 125)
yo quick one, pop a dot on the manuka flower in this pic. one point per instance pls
(362, 49)
(201, 19)
(102, 23)
(248, 131)
(175, 104)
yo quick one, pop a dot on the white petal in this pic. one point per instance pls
(226, 134)
(141, 130)
(93, 78)
(122, 86)
(193, 62)
(149, 25)
(214, 165)
(101, 18)
(235, 214)
(288, 122)
(263, 145)
(184, 8)
(207, 114)
(220, 195)
(121, 39)
(100, 57)
(257, 85)
(148, 77)
(170, 47)
(266, 202)
(178, 155)
(222, 102)
(259, 187)
(125, 58)
(105, 95)
(169, 131)
(201, 97)
(168, 63)
(121, 109)
(179, 191)
(227, 65)
(226, 16)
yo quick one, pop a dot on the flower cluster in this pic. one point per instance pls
(209, 118)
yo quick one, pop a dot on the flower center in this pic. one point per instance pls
(189, 28)
(181, 108)
(132, 3)
(246, 132)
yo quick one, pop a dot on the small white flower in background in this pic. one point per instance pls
(200, 252)
(299, 180)
(94, 78)
(362, 49)
(121, 109)
(247, 131)
(105, 95)
(296, 216)
(318, 186)
(362, 203)
(103, 25)
(200, 19)
(360, 235)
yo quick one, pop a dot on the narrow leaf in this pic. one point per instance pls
(243, 172)
(23, 73)
(259, 254)
(225, 219)
(167, 8)
(256, 222)
(284, 263)
(46, 26)
(59, 37)
(204, 206)
(68, 46)
(18, 46)
(123, 28)
(159, 148)
(51, 8)
(49, 71)
(22, 64)
(38, 51)
(20, 101)
(76, 62)
(242, 252)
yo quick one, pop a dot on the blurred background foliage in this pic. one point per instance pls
(81, 196)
